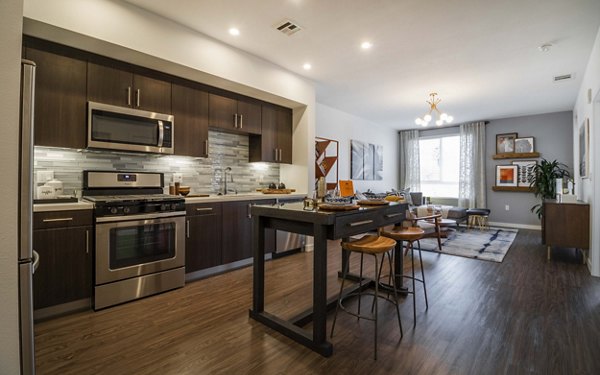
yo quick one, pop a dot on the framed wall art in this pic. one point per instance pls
(524, 145)
(584, 149)
(366, 161)
(505, 143)
(525, 171)
(506, 175)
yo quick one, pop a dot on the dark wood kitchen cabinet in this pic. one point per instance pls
(190, 110)
(237, 231)
(60, 99)
(241, 115)
(203, 236)
(64, 241)
(117, 86)
(275, 141)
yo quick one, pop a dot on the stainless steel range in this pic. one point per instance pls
(140, 236)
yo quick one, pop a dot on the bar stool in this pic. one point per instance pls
(370, 245)
(410, 235)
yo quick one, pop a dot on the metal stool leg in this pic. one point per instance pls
(414, 292)
(395, 292)
(337, 306)
(360, 283)
(376, 304)
(423, 278)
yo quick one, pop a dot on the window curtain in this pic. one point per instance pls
(471, 180)
(410, 176)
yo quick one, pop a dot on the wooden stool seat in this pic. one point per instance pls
(370, 244)
(404, 234)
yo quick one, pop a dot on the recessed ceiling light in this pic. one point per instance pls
(233, 31)
(366, 45)
(545, 47)
(307, 66)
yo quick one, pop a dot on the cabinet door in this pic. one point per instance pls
(60, 100)
(237, 231)
(151, 94)
(110, 85)
(64, 273)
(249, 120)
(222, 112)
(284, 135)
(190, 109)
(203, 243)
(264, 148)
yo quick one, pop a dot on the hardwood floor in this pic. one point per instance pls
(520, 316)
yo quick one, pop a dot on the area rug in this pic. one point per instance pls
(491, 244)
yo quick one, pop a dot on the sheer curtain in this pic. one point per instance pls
(471, 180)
(409, 160)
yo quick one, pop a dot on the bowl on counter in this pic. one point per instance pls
(184, 190)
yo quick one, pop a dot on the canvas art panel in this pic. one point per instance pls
(524, 145)
(366, 161)
(506, 175)
(584, 149)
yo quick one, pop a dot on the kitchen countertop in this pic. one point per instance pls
(83, 205)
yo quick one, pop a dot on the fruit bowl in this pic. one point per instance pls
(184, 190)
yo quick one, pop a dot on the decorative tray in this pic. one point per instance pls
(337, 207)
(277, 191)
(373, 202)
(197, 196)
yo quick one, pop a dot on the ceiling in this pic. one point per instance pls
(480, 56)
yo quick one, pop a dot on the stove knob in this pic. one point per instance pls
(113, 210)
(126, 210)
(173, 206)
(163, 207)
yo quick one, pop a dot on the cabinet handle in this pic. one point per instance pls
(187, 229)
(235, 120)
(57, 220)
(280, 158)
(206, 146)
(138, 95)
(248, 211)
(241, 121)
(357, 223)
(204, 209)
(87, 241)
(389, 216)
(129, 96)
(275, 153)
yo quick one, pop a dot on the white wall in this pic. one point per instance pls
(10, 67)
(589, 189)
(343, 127)
(128, 33)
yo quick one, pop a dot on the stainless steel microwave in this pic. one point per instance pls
(120, 128)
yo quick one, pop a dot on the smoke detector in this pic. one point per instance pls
(545, 47)
(288, 27)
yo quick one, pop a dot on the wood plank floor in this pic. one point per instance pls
(520, 316)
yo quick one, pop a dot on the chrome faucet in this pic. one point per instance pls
(223, 181)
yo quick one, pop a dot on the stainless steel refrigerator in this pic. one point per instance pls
(28, 258)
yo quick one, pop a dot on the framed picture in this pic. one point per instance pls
(506, 175)
(525, 171)
(505, 143)
(584, 149)
(523, 145)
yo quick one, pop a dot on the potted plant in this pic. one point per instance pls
(543, 181)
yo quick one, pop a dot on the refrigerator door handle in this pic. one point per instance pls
(26, 188)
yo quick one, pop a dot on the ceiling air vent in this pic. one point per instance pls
(288, 27)
(564, 77)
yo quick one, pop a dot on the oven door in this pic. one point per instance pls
(132, 248)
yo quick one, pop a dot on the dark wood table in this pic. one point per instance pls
(323, 226)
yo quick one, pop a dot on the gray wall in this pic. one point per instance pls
(553, 133)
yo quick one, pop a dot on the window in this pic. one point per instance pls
(439, 159)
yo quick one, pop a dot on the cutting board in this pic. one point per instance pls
(276, 191)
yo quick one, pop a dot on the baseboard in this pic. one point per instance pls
(62, 309)
(513, 225)
(309, 247)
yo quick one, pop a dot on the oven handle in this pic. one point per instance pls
(158, 215)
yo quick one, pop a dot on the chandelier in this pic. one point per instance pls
(441, 118)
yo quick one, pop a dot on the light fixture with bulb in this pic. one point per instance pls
(440, 117)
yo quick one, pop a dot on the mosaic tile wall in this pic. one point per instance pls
(203, 175)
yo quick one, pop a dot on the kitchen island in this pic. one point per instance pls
(323, 226)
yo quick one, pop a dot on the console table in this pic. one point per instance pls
(566, 225)
(322, 225)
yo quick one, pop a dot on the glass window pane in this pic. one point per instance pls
(440, 163)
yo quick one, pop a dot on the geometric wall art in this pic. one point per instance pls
(366, 161)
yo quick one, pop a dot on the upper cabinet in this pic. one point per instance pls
(60, 100)
(275, 142)
(236, 115)
(190, 110)
(111, 85)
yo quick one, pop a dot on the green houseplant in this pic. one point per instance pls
(542, 181)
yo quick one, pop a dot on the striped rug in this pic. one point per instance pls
(491, 244)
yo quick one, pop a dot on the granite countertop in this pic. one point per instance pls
(46, 207)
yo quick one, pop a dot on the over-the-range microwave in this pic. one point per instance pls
(120, 128)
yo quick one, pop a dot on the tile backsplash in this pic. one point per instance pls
(203, 175)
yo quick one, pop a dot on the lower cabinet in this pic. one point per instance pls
(237, 231)
(203, 236)
(65, 272)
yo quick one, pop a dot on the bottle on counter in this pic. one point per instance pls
(321, 188)
(172, 188)
(177, 185)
